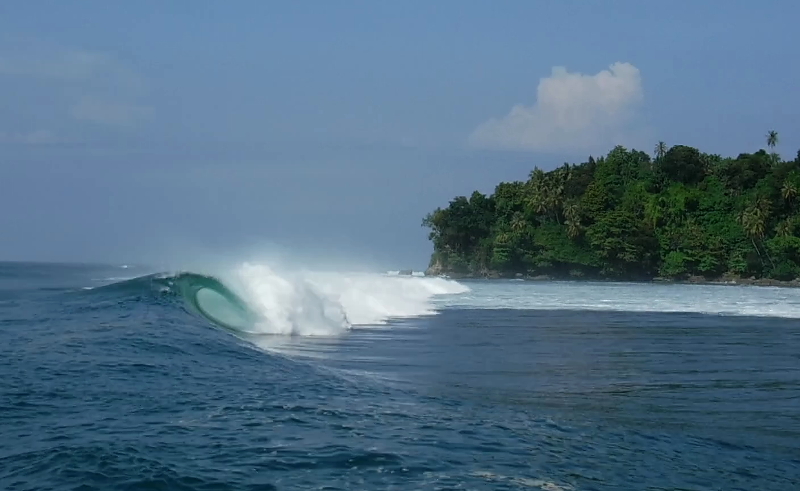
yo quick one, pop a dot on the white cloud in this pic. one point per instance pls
(573, 111)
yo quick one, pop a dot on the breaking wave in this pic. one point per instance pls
(255, 298)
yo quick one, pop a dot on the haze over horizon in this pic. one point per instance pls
(140, 131)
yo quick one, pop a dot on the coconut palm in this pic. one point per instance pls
(550, 190)
(750, 224)
(654, 209)
(784, 228)
(571, 211)
(772, 139)
(754, 223)
(573, 220)
(518, 222)
(536, 175)
(660, 150)
(503, 238)
(554, 197)
(789, 191)
(537, 203)
(573, 229)
(536, 191)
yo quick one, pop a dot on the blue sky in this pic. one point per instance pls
(130, 131)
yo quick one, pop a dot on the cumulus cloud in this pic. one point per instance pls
(573, 111)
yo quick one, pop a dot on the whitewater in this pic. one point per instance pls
(325, 303)
(726, 300)
(260, 298)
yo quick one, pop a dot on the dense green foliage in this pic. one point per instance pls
(628, 216)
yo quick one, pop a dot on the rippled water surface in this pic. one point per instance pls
(498, 385)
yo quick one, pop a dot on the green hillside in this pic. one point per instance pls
(628, 216)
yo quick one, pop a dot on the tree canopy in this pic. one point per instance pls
(629, 216)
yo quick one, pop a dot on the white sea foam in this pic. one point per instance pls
(324, 303)
(397, 272)
(630, 297)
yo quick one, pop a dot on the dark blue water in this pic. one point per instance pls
(126, 388)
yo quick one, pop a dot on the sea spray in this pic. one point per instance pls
(288, 303)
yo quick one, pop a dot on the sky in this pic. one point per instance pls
(134, 131)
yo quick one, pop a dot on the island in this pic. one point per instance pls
(682, 215)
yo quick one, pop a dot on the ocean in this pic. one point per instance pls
(257, 377)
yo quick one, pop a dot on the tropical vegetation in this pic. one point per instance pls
(626, 215)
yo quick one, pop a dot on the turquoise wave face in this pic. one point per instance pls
(210, 298)
(202, 295)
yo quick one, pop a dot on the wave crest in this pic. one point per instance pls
(255, 298)
(317, 303)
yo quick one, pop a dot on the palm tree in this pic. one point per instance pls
(540, 197)
(573, 220)
(660, 150)
(564, 172)
(573, 229)
(772, 139)
(784, 228)
(753, 226)
(654, 209)
(503, 238)
(518, 222)
(754, 223)
(535, 188)
(571, 211)
(789, 191)
(555, 193)
(536, 175)
(546, 191)
(536, 202)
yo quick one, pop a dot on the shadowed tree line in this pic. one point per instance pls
(626, 215)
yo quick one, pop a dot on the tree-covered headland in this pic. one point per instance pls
(680, 214)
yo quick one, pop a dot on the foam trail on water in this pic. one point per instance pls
(374, 299)
(630, 297)
(325, 303)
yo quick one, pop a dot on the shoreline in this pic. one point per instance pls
(694, 280)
